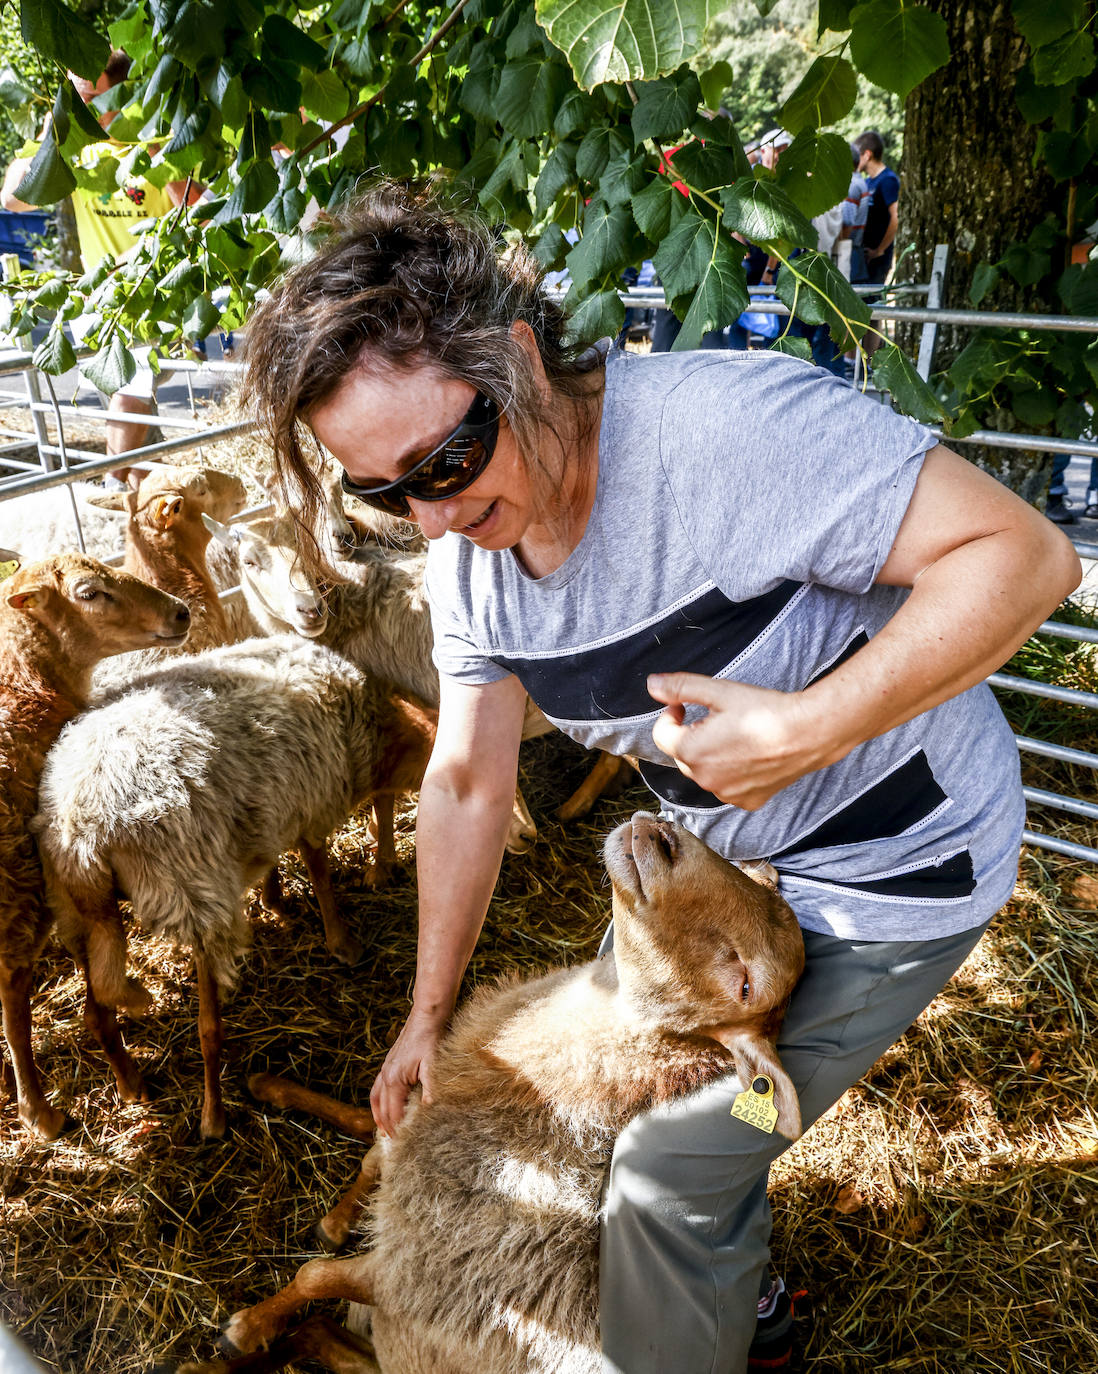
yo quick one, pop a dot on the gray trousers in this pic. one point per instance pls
(686, 1232)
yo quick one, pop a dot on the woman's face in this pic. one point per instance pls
(379, 425)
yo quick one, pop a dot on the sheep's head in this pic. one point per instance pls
(160, 495)
(94, 611)
(281, 596)
(702, 948)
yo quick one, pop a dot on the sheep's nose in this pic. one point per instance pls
(182, 617)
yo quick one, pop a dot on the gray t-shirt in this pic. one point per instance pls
(745, 504)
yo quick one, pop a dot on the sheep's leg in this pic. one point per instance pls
(34, 1111)
(271, 893)
(90, 926)
(341, 943)
(332, 1230)
(317, 1338)
(522, 832)
(211, 1037)
(385, 857)
(317, 1279)
(284, 1092)
(608, 774)
(102, 1022)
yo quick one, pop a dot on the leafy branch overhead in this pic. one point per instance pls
(586, 127)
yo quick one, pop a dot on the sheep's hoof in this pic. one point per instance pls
(235, 1338)
(137, 1000)
(214, 1126)
(47, 1123)
(347, 950)
(331, 1245)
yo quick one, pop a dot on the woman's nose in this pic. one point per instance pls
(433, 517)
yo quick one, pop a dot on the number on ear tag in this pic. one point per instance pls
(756, 1105)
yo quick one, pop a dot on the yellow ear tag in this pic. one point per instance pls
(756, 1105)
(6, 569)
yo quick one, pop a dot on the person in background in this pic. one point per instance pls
(882, 217)
(851, 253)
(1058, 506)
(104, 225)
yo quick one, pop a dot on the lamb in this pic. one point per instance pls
(58, 618)
(166, 543)
(485, 1218)
(181, 790)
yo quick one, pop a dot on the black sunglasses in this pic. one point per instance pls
(447, 470)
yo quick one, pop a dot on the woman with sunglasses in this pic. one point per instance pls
(779, 595)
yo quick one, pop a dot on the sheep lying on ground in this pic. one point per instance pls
(485, 1218)
(58, 618)
(180, 791)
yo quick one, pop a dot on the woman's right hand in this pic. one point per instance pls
(407, 1063)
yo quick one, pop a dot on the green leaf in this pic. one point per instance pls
(256, 188)
(720, 295)
(1024, 265)
(166, 75)
(85, 128)
(577, 111)
(1065, 154)
(558, 174)
(795, 345)
(49, 177)
(764, 214)
(814, 172)
(652, 207)
(286, 40)
(187, 131)
(283, 213)
(983, 279)
(707, 166)
(1038, 103)
(816, 292)
(551, 247)
(194, 33)
(1040, 22)
(897, 43)
(200, 317)
(530, 91)
(624, 40)
(683, 257)
(714, 83)
(52, 295)
(824, 95)
(324, 95)
(593, 317)
(112, 367)
(835, 15)
(664, 108)
(893, 371)
(64, 37)
(605, 244)
(1066, 59)
(1033, 406)
(1078, 289)
(55, 354)
(596, 151)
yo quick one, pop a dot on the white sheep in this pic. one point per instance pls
(58, 618)
(484, 1226)
(181, 789)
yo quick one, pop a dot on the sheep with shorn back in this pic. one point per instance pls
(58, 618)
(181, 789)
(484, 1223)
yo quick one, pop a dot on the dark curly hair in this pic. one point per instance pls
(406, 277)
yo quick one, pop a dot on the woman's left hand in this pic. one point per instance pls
(753, 742)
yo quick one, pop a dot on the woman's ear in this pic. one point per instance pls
(525, 337)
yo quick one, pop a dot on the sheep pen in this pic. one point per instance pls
(942, 1217)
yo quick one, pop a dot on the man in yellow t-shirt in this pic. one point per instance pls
(104, 223)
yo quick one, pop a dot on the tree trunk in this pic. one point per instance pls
(68, 245)
(969, 180)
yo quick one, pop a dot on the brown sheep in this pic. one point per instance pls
(485, 1218)
(58, 618)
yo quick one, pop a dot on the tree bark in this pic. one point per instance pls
(969, 180)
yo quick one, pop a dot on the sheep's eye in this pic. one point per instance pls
(745, 991)
(89, 593)
(249, 563)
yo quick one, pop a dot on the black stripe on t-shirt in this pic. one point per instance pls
(953, 877)
(676, 788)
(608, 682)
(860, 640)
(898, 801)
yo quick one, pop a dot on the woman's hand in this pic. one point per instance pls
(753, 742)
(406, 1064)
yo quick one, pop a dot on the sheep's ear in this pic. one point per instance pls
(166, 510)
(760, 871)
(25, 599)
(753, 1055)
(228, 535)
(108, 500)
